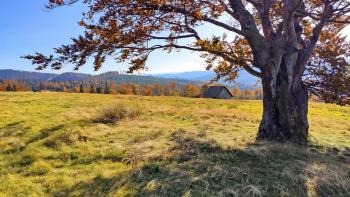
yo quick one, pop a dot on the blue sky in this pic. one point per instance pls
(27, 27)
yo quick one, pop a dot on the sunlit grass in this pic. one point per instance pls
(50, 144)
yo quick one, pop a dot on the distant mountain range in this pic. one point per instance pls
(244, 81)
(24, 75)
(38, 77)
(8, 74)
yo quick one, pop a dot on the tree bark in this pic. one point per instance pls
(285, 108)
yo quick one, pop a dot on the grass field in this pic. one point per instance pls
(57, 144)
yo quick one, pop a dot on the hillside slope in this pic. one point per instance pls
(243, 81)
(140, 79)
(56, 144)
(70, 77)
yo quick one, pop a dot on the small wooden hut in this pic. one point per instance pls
(217, 92)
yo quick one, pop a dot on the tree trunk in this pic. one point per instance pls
(285, 108)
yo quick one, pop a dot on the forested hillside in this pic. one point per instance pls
(111, 83)
(24, 75)
(79, 77)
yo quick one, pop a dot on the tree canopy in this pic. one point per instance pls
(259, 35)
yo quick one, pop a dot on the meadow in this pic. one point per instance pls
(64, 144)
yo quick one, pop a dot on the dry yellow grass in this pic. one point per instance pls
(51, 145)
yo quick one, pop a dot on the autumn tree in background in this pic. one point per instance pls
(92, 89)
(110, 87)
(124, 88)
(145, 90)
(171, 89)
(286, 43)
(104, 87)
(157, 89)
(191, 91)
(13, 86)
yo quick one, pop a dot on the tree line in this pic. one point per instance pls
(111, 87)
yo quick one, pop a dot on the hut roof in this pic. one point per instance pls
(213, 91)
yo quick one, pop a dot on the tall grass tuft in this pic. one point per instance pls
(114, 113)
(26, 160)
(39, 168)
(67, 137)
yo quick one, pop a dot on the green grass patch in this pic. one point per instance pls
(57, 144)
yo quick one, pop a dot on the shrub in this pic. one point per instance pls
(39, 168)
(115, 113)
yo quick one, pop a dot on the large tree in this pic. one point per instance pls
(294, 46)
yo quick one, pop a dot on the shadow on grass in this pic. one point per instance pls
(13, 129)
(44, 133)
(18, 132)
(10, 135)
(196, 167)
(47, 132)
